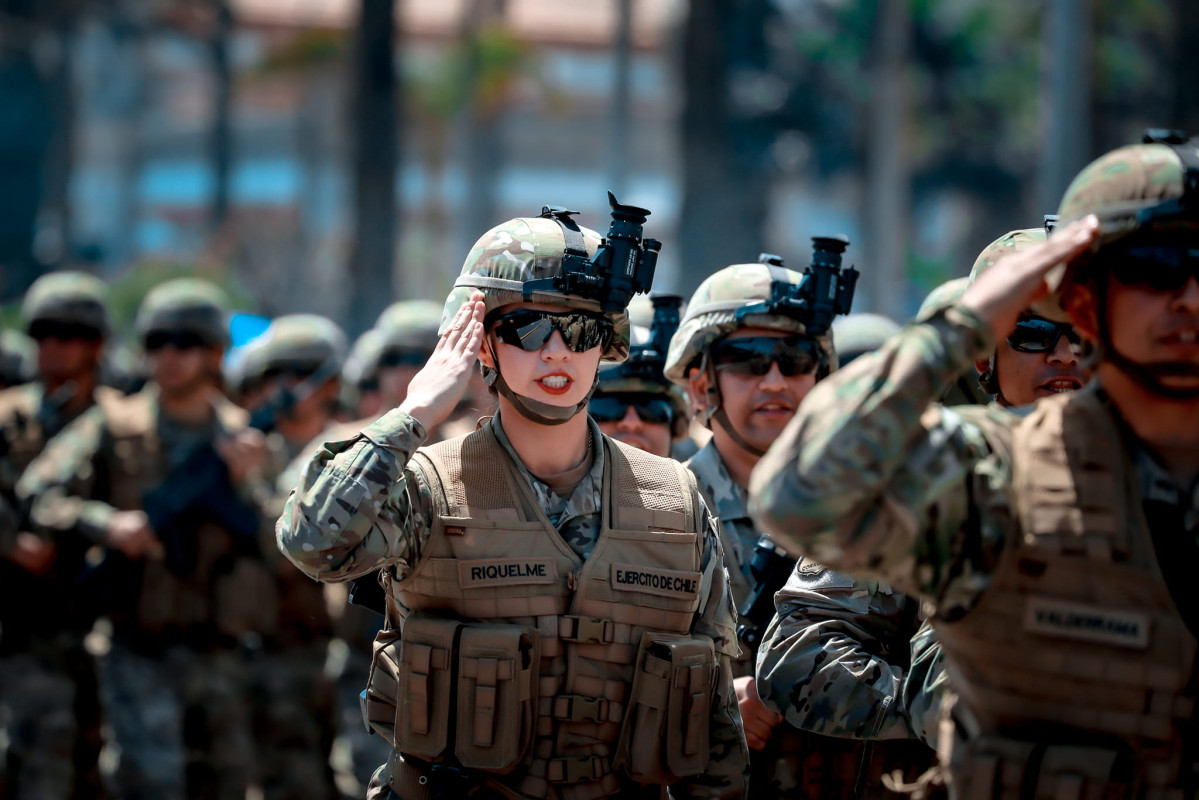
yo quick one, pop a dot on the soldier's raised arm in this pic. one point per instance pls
(357, 507)
(872, 476)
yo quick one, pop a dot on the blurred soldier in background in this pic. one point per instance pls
(857, 334)
(49, 705)
(1058, 545)
(360, 396)
(749, 349)
(297, 363)
(161, 478)
(18, 359)
(634, 402)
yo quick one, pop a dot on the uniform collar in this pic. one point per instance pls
(728, 499)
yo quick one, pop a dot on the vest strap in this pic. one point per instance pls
(581, 708)
(584, 769)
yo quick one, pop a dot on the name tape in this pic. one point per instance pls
(1086, 623)
(506, 572)
(666, 582)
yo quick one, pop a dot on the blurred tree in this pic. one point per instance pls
(375, 131)
(222, 132)
(729, 98)
(483, 143)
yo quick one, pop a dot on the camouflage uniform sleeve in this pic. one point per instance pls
(824, 662)
(872, 477)
(356, 507)
(926, 685)
(56, 485)
(727, 774)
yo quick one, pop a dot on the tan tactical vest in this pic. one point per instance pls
(1072, 673)
(230, 598)
(493, 556)
(22, 430)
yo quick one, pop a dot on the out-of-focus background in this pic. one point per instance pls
(334, 155)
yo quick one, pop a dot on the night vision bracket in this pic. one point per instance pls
(824, 291)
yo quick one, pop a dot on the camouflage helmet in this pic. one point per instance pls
(186, 304)
(521, 250)
(18, 358)
(299, 342)
(362, 363)
(619, 379)
(942, 296)
(712, 315)
(410, 325)
(1011, 242)
(1138, 188)
(68, 298)
(860, 333)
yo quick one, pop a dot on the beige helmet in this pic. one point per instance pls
(186, 304)
(68, 298)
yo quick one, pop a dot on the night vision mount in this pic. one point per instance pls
(649, 360)
(824, 291)
(623, 264)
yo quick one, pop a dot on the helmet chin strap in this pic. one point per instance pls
(530, 409)
(715, 410)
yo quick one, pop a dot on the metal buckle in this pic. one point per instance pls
(582, 709)
(589, 630)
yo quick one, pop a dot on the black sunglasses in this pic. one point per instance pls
(401, 357)
(613, 407)
(753, 355)
(1161, 267)
(530, 330)
(180, 340)
(1035, 335)
(43, 329)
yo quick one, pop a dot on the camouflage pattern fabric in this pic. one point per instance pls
(521, 250)
(729, 503)
(292, 707)
(176, 694)
(816, 488)
(49, 703)
(926, 686)
(358, 510)
(964, 390)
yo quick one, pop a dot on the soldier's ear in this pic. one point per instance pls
(1081, 302)
(697, 388)
(486, 356)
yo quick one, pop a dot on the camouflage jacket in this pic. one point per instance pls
(874, 477)
(359, 508)
(832, 660)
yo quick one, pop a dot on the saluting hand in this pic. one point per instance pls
(434, 392)
(1000, 295)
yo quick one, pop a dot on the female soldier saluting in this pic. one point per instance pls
(558, 616)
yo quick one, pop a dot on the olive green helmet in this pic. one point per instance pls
(186, 304)
(67, 298)
(411, 325)
(857, 334)
(362, 364)
(522, 250)
(18, 358)
(302, 343)
(712, 314)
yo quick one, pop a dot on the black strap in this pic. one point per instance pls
(571, 233)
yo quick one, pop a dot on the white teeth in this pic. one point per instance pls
(555, 381)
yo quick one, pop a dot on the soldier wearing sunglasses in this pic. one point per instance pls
(558, 623)
(747, 362)
(47, 710)
(1056, 547)
(183, 596)
(1041, 356)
